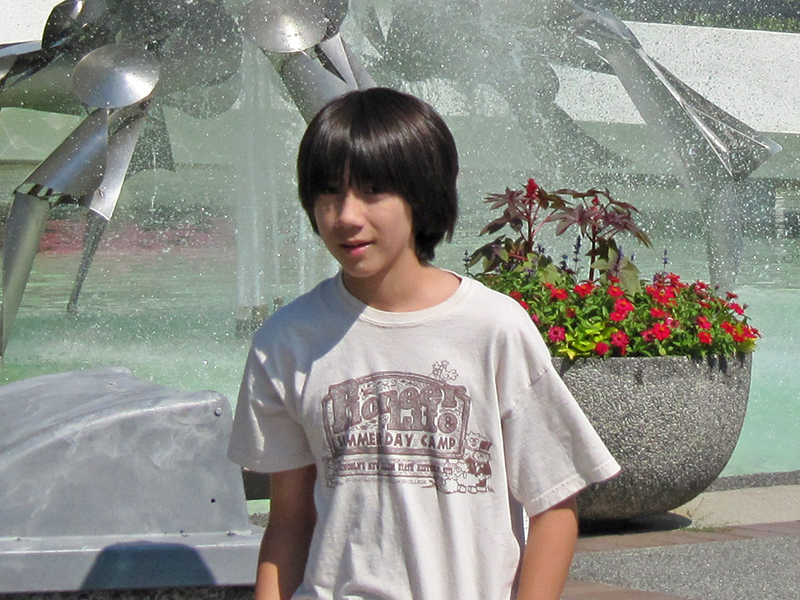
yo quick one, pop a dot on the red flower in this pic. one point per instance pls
(615, 291)
(660, 331)
(658, 313)
(701, 286)
(584, 289)
(730, 295)
(703, 323)
(570, 313)
(535, 318)
(556, 334)
(532, 188)
(524, 305)
(618, 316)
(624, 305)
(750, 332)
(601, 348)
(704, 337)
(516, 295)
(736, 308)
(620, 340)
(661, 295)
(558, 293)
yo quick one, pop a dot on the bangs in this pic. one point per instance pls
(354, 153)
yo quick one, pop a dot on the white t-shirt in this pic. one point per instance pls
(430, 431)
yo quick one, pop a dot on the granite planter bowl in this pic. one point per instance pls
(671, 422)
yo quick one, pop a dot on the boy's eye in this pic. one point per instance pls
(372, 189)
(330, 189)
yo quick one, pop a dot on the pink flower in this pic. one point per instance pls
(556, 334)
(601, 348)
(532, 188)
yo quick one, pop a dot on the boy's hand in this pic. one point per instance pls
(284, 548)
(548, 552)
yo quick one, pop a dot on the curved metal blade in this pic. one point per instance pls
(121, 145)
(285, 25)
(77, 166)
(95, 227)
(68, 17)
(116, 76)
(336, 11)
(24, 228)
(102, 203)
(314, 81)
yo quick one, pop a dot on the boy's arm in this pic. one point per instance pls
(284, 548)
(548, 552)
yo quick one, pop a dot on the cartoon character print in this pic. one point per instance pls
(405, 427)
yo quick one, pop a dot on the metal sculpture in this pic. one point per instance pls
(118, 62)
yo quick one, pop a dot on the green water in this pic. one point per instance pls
(168, 314)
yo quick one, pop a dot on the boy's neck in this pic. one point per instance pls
(423, 287)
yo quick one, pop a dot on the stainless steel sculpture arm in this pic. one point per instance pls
(119, 61)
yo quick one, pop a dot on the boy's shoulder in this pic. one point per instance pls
(303, 313)
(492, 302)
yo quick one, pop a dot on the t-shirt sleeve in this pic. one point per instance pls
(552, 449)
(553, 452)
(266, 435)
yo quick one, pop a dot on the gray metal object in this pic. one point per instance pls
(141, 55)
(25, 225)
(129, 58)
(115, 76)
(113, 482)
(710, 149)
(285, 25)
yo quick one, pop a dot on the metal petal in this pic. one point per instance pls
(68, 17)
(116, 76)
(24, 228)
(314, 81)
(120, 148)
(95, 227)
(76, 167)
(285, 25)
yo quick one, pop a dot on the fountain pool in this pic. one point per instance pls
(163, 305)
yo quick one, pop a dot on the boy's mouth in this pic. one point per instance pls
(354, 246)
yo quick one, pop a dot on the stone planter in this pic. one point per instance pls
(671, 422)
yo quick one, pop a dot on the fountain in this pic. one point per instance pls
(211, 143)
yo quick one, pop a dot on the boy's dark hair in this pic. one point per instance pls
(388, 141)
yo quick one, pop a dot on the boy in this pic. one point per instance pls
(406, 415)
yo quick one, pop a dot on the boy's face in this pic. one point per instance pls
(369, 233)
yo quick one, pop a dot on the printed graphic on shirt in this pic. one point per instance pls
(407, 427)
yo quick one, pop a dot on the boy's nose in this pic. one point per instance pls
(350, 209)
